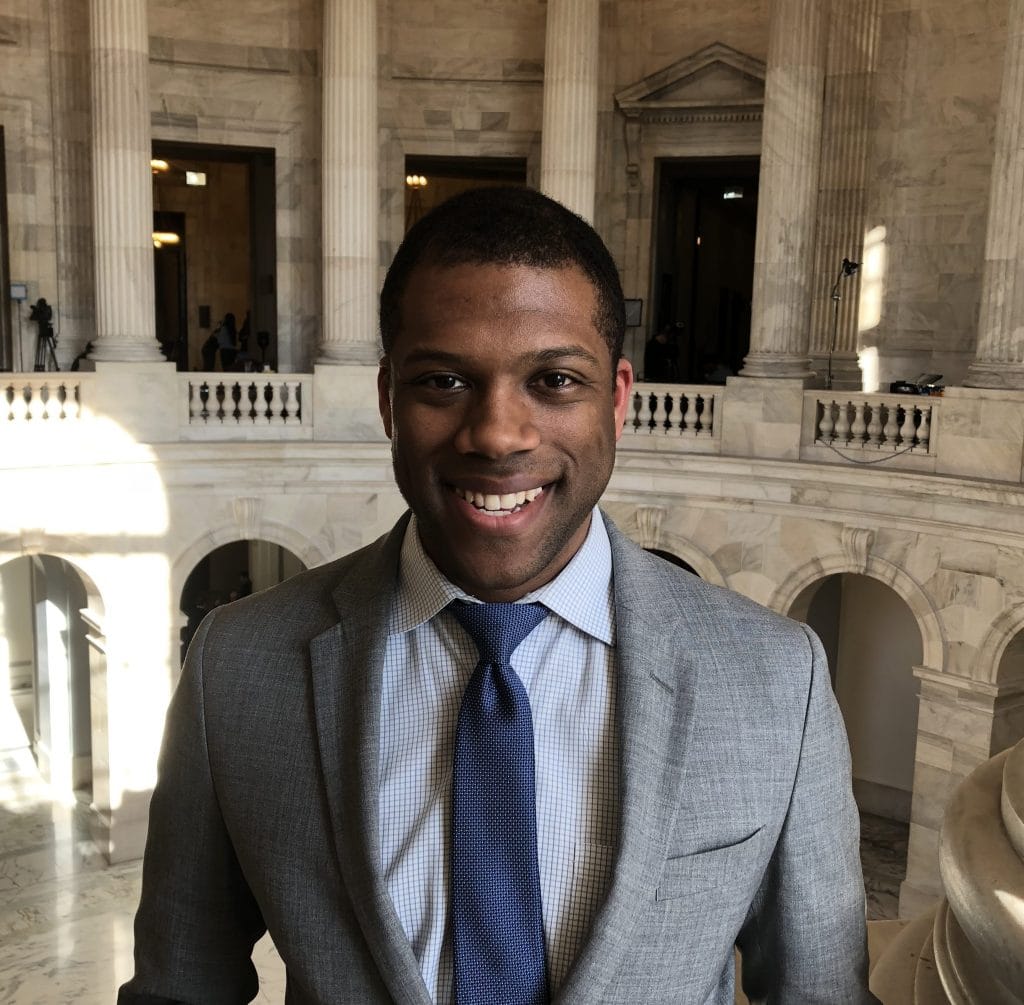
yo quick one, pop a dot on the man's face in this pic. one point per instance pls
(503, 407)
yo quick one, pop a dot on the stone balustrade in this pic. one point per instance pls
(50, 398)
(874, 421)
(232, 406)
(681, 412)
(969, 432)
(970, 950)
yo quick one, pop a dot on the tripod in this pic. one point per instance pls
(46, 346)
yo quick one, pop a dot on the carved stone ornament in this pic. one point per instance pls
(648, 522)
(248, 511)
(857, 544)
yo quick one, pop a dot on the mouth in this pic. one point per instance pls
(498, 505)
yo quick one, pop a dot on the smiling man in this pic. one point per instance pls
(503, 755)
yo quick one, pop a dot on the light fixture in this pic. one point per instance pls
(195, 177)
(158, 166)
(415, 181)
(162, 237)
(733, 193)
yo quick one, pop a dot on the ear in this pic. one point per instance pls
(384, 395)
(622, 393)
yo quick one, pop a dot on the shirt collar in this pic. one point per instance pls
(580, 594)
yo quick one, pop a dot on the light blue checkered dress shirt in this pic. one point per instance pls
(567, 665)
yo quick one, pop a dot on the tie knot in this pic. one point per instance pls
(498, 629)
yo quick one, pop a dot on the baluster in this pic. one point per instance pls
(204, 397)
(236, 397)
(843, 423)
(220, 394)
(669, 403)
(907, 426)
(826, 424)
(858, 426)
(638, 404)
(46, 401)
(875, 425)
(36, 405)
(690, 419)
(298, 402)
(191, 402)
(253, 394)
(73, 406)
(652, 410)
(62, 397)
(285, 400)
(891, 429)
(268, 397)
(924, 429)
(9, 398)
(707, 415)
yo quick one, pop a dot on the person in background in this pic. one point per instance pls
(661, 356)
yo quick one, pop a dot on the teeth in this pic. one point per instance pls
(505, 503)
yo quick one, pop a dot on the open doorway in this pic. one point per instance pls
(214, 225)
(703, 275)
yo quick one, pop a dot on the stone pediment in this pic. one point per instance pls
(716, 82)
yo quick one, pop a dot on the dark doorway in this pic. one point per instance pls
(674, 559)
(6, 333)
(703, 274)
(226, 262)
(171, 288)
(431, 180)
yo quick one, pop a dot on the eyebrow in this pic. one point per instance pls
(544, 356)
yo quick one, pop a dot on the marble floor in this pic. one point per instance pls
(66, 917)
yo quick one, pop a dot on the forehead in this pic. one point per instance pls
(440, 297)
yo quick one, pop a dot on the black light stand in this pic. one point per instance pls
(46, 342)
(848, 268)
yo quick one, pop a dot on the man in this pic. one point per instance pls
(680, 783)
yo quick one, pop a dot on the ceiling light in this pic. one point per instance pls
(157, 165)
(162, 237)
(195, 177)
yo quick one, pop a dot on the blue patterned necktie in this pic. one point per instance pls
(497, 924)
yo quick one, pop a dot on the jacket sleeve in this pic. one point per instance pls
(197, 920)
(805, 938)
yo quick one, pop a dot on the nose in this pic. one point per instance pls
(498, 423)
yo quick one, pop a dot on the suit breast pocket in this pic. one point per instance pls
(727, 866)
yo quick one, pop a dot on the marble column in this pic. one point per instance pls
(999, 357)
(350, 193)
(788, 189)
(568, 157)
(122, 183)
(852, 59)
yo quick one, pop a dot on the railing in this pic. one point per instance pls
(674, 410)
(884, 422)
(42, 399)
(219, 404)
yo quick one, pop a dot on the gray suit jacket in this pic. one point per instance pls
(738, 824)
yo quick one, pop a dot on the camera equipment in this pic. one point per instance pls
(46, 342)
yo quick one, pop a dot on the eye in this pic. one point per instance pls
(442, 382)
(556, 380)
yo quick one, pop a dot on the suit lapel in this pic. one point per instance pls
(656, 697)
(347, 662)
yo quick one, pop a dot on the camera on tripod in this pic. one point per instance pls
(46, 342)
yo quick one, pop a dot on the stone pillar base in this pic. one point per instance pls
(345, 399)
(776, 364)
(846, 375)
(348, 353)
(762, 418)
(110, 349)
(1002, 376)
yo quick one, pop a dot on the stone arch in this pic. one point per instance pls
(230, 532)
(698, 559)
(933, 640)
(1007, 629)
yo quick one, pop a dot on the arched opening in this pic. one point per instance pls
(674, 559)
(52, 655)
(873, 642)
(1008, 729)
(230, 572)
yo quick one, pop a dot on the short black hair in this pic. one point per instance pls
(506, 225)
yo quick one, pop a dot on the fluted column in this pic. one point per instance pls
(852, 56)
(999, 357)
(568, 153)
(350, 195)
(122, 182)
(787, 196)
